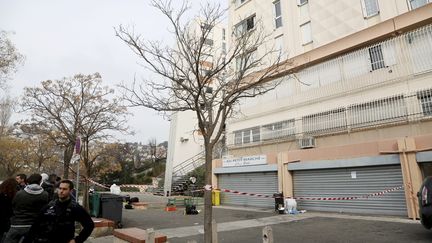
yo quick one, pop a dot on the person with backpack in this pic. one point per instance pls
(26, 206)
(56, 221)
(49, 184)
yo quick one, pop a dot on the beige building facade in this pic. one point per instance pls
(352, 115)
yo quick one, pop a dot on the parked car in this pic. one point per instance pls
(425, 203)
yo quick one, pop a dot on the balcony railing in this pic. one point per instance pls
(400, 58)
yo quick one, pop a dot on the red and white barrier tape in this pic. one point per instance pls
(315, 198)
(106, 187)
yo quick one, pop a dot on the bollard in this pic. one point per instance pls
(267, 235)
(150, 235)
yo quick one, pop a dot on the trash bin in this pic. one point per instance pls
(279, 200)
(94, 204)
(216, 198)
(111, 207)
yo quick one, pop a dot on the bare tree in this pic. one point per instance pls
(6, 109)
(10, 58)
(190, 79)
(71, 107)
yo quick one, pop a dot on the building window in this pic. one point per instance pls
(325, 122)
(376, 57)
(246, 136)
(425, 99)
(240, 2)
(207, 41)
(224, 49)
(245, 25)
(301, 2)
(306, 31)
(418, 3)
(370, 8)
(278, 14)
(384, 111)
(283, 129)
(206, 27)
(223, 34)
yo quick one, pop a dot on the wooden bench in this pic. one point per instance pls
(136, 235)
(103, 227)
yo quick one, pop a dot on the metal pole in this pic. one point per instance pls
(77, 183)
(78, 152)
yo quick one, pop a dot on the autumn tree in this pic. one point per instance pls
(10, 58)
(12, 154)
(65, 109)
(193, 75)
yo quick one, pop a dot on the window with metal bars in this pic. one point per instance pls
(278, 130)
(425, 99)
(325, 122)
(376, 57)
(387, 110)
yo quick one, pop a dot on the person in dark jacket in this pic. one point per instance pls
(8, 190)
(56, 221)
(26, 206)
(21, 179)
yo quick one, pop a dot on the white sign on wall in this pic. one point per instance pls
(245, 161)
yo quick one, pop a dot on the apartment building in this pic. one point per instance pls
(185, 145)
(352, 115)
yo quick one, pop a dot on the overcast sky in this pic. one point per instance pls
(60, 38)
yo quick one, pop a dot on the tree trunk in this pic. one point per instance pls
(67, 156)
(208, 209)
(85, 190)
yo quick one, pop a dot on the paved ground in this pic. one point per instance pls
(245, 225)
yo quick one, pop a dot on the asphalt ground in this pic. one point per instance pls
(237, 224)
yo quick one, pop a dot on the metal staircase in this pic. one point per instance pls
(180, 178)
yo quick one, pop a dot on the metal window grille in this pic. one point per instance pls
(425, 99)
(376, 57)
(325, 122)
(387, 110)
(283, 129)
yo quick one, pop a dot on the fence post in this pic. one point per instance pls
(150, 235)
(267, 235)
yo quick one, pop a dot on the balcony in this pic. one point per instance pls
(387, 111)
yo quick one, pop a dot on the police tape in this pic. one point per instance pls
(376, 194)
(141, 187)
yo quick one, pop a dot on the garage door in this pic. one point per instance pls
(355, 181)
(262, 183)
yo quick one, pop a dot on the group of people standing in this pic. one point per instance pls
(41, 208)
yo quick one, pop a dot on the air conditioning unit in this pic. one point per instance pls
(307, 142)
